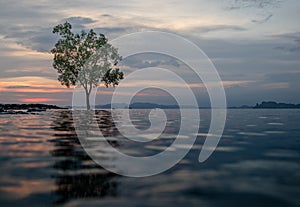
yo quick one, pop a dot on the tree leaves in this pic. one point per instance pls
(85, 58)
(112, 77)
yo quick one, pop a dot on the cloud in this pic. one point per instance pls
(262, 9)
(39, 100)
(36, 38)
(26, 13)
(106, 15)
(215, 28)
(263, 20)
(281, 85)
(294, 38)
(291, 77)
(41, 38)
(80, 22)
(115, 30)
(150, 60)
(259, 4)
(16, 87)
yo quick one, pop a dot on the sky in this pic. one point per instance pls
(254, 45)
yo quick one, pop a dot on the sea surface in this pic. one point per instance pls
(257, 163)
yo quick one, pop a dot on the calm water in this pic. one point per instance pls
(257, 163)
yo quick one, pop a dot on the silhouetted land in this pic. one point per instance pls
(139, 105)
(263, 105)
(275, 105)
(268, 105)
(9, 108)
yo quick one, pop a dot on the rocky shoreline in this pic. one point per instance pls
(25, 108)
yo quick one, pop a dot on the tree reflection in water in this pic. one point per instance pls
(76, 175)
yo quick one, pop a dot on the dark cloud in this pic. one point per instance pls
(291, 77)
(261, 8)
(17, 87)
(217, 28)
(295, 42)
(150, 60)
(114, 30)
(79, 22)
(25, 12)
(117, 31)
(41, 38)
(263, 20)
(106, 15)
(260, 4)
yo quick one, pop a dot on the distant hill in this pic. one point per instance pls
(275, 105)
(4, 107)
(141, 105)
(152, 106)
(137, 106)
(240, 107)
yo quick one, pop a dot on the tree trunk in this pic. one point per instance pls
(88, 107)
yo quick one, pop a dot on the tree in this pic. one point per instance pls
(85, 59)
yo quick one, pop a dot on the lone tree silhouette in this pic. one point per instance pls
(85, 59)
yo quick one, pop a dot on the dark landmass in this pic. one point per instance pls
(275, 105)
(134, 106)
(263, 105)
(31, 108)
(139, 105)
(27, 106)
(268, 105)
(241, 107)
(152, 106)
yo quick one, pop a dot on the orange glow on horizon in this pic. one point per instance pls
(32, 84)
(38, 100)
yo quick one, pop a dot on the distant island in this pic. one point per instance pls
(25, 108)
(269, 105)
(32, 108)
(275, 105)
(140, 105)
(137, 106)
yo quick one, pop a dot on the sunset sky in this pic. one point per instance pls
(255, 45)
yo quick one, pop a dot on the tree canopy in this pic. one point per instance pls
(85, 58)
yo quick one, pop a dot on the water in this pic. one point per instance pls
(256, 163)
